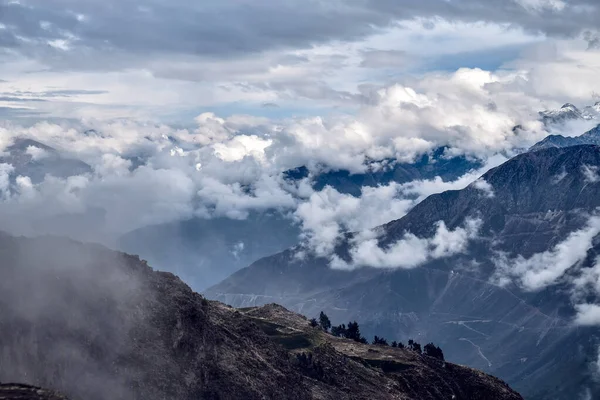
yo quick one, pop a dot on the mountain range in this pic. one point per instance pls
(531, 204)
(590, 137)
(461, 269)
(207, 251)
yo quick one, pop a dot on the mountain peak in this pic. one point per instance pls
(591, 137)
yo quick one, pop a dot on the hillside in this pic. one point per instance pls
(14, 391)
(97, 324)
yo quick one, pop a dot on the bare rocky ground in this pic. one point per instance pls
(95, 324)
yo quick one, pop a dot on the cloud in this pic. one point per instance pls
(590, 173)
(384, 58)
(587, 314)
(327, 214)
(410, 251)
(541, 5)
(5, 171)
(36, 153)
(127, 29)
(425, 188)
(315, 59)
(485, 187)
(547, 268)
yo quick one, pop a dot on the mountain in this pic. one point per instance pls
(97, 324)
(590, 137)
(204, 252)
(530, 204)
(427, 166)
(569, 112)
(36, 160)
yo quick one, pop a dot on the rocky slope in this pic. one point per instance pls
(97, 324)
(25, 392)
(525, 207)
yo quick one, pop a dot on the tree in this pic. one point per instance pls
(313, 322)
(394, 344)
(339, 331)
(324, 321)
(432, 350)
(380, 341)
(414, 346)
(353, 331)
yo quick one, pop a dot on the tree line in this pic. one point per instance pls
(352, 331)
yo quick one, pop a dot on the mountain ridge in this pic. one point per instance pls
(538, 199)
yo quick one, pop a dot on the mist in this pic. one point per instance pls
(72, 316)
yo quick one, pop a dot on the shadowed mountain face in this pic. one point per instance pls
(428, 166)
(36, 160)
(532, 203)
(590, 137)
(97, 324)
(205, 251)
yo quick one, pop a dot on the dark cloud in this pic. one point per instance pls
(130, 28)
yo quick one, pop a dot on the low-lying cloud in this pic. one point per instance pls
(561, 264)
(410, 251)
(545, 269)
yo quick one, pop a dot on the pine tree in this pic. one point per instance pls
(339, 331)
(324, 321)
(380, 341)
(432, 350)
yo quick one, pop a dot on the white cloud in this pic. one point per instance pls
(587, 314)
(36, 153)
(410, 251)
(328, 213)
(237, 249)
(5, 171)
(485, 187)
(242, 146)
(540, 5)
(425, 188)
(590, 173)
(545, 269)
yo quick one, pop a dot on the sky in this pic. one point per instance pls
(218, 98)
(170, 61)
